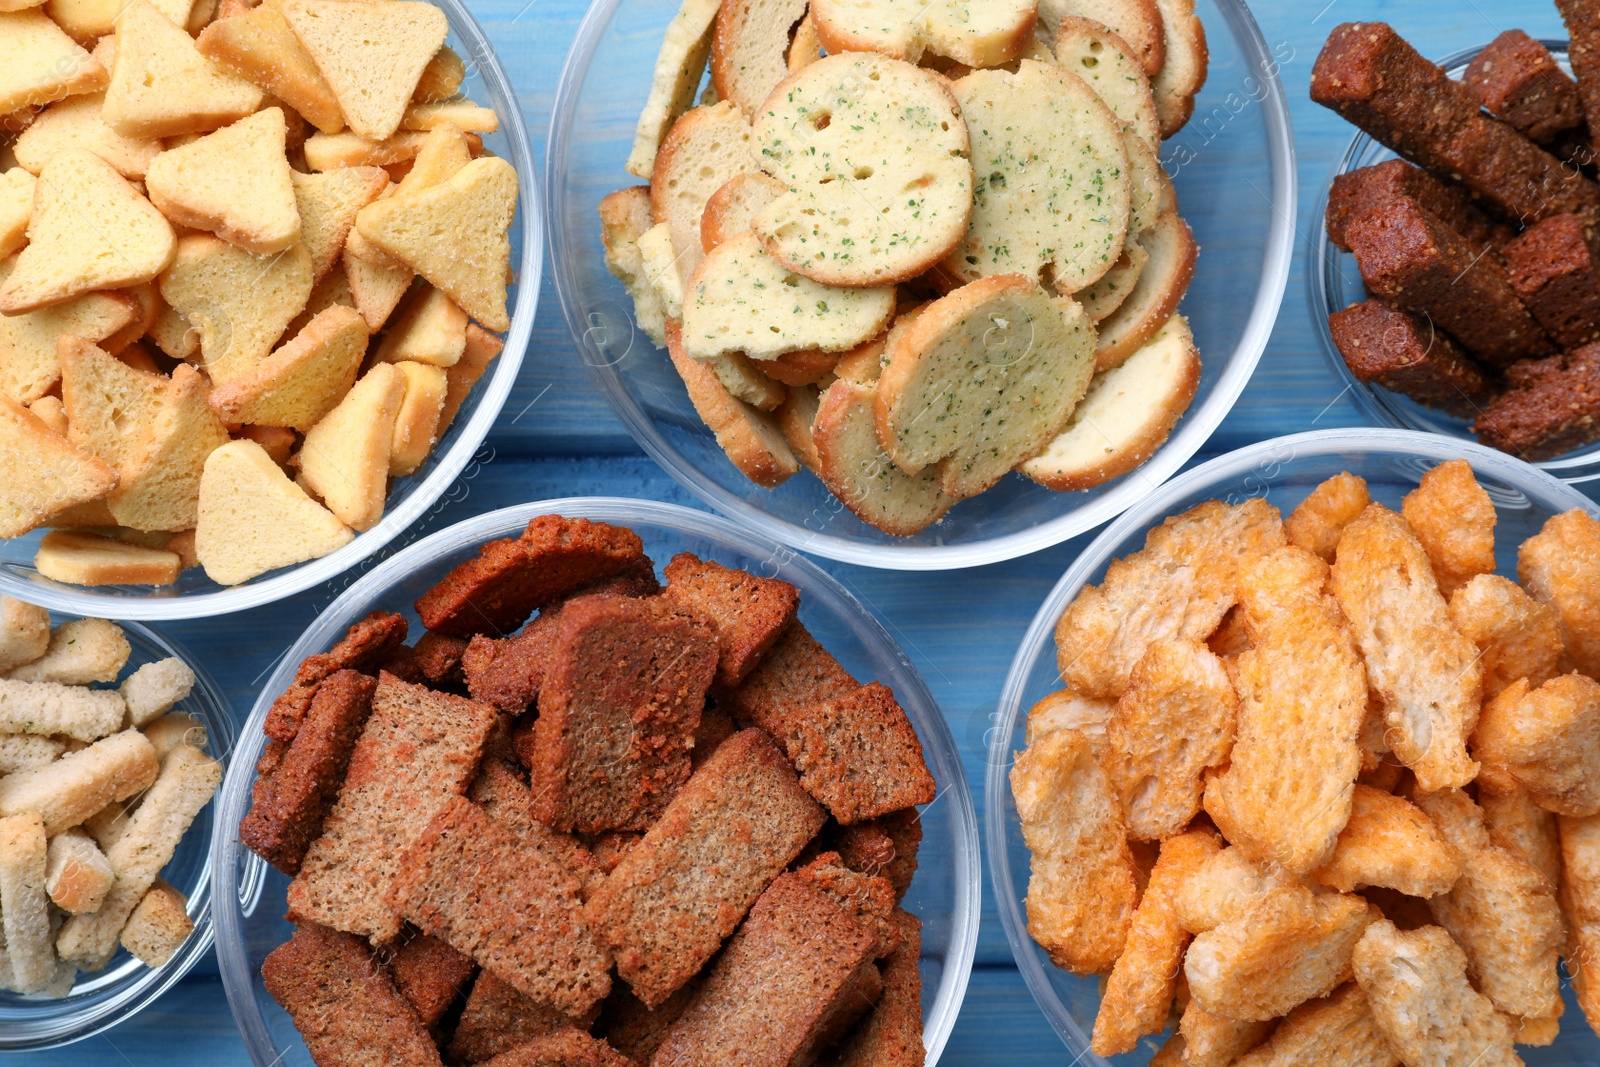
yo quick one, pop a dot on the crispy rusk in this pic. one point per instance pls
(1338, 1029)
(1302, 698)
(1223, 888)
(1213, 1041)
(1545, 741)
(1289, 947)
(1454, 519)
(1082, 891)
(1580, 906)
(1317, 521)
(1538, 1033)
(1389, 842)
(1514, 821)
(1180, 584)
(1066, 710)
(1416, 985)
(1428, 674)
(1560, 566)
(1138, 994)
(1173, 723)
(1518, 636)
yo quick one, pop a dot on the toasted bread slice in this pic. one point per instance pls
(376, 288)
(749, 49)
(706, 148)
(660, 263)
(253, 519)
(741, 299)
(1041, 117)
(159, 488)
(444, 151)
(1106, 295)
(796, 416)
(744, 380)
(624, 217)
(1184, 71)
(749, 437)
(16, 208)
(39, 64)
(130, 242)
(679, 64)
(240, 303)
(234, 183)
(371, 53)
(920, 142)
(482, 348)
(46, 473)
(1155, 297)
(476, 207)
(161, 86)
(441, 78)
(1150, 190)
(988, 35)
(428, 328)
(1125, 415)
(855, 468)
(733, 208)
(260, 47)
(345, 456)
(328, 204)
(977, 422)
(110, 406)
(1106, 62)
(805, 47)
(806, 366)
(29, 366)
(77, 123)
(463, 114)
(1137, 22)
(416, 425)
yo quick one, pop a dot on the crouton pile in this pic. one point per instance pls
(97, 787)
(1326, 788)
(941, 252)
(253, 259)
(653, 825)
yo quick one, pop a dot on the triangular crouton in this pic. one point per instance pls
(461, 113)
(110, 405)
(172, 333)
(429, 328)
(16, 208)
(302, 381)
(375, 287)
(441, 78)
(161, 85)
(476, 208)
(416, 427)
(128, 243)
(345, 457)
(253, 519)
(45, 473)
(28, 363)
(39, 64)
(88, 559)
(260, 47)
(160, 486)
(482, 348)
(234, 183)
(330, 151)
(444, 152)
(328, 205)
(122, 344)
(372, 53)
(77, 123)
(240, 303)
(333, 289)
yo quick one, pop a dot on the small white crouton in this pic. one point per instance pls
(77, 873)
(24, 632)
(151, 690)
(77, 785)
(158, 926)
(80, 652)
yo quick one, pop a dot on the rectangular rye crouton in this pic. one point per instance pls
(859, 755)
(81, 783)
(569, 1047)
(1368, 189)
(290, 804)
(158, 926)
(891, 1034)
(430, 974)
(1554, 266)
(681, 890)
(45, 708)
(622, 694)
(1583, 27)
(796, 673)
(419, 750)
(1551, 406)
(1517, 80)
(1384, 345)
(363, 648)
(497, 1018)
(344, 1003)
(746, 612)
(886, 846)
(511, 905)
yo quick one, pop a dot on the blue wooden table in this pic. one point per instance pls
(558, 438)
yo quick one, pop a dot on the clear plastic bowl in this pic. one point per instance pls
(1334, 283)
(945, 893)
(125, 987)
(194, 595)
(1238, 144)
(1281, 471)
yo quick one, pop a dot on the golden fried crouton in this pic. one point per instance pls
(1518, 636)
(1066, 710)
(1212, 1041)
(1179, 585)
(1536, 1032)
(1336, 1029)
(1317, 521)
(1081, 892)
(1514, 821)
(1230, 637)
(1173, 723)
(1454, 519)
(1139, 992)
(1223, 887)
(1560, 566)
(1302, 699)
(1545, 741)
(1389, 842)
(1580, 906)
(1171, 1054)
(1289, 947)
(1428, 674)
(1416, 985)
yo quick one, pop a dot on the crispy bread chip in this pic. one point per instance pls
(1175, 721)
(1212, 1041)
(1180, 584)
(1545, 741)
(1066, 710)
(1518, 636)
(1302, 699)
(1389, 842)
(1082, 891)
(1454, 519)
(1428, 674)
(1223, 888)
(1514, 821)
(1317, 521)
(1580, 906)
(1560, 566)
(1337, 1029)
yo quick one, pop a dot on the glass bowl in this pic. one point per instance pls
(194, 595)
(945, 894)
(1238, 142)
(125, 987)
(1334, 283)
(1281, 471)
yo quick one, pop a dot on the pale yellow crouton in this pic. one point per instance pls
(80, 651)
(108, 824)
(482, 348)
(468, 116)
(302, 381)
(24, 907)
(416, 425)
(150, 691)
(24, 632)
(376, 288)
(158, 926)
(45, 473)
(52, 413)
(1545, 741)
(110, 406)
(428, 327)
(253, 519)
(160, 485)
(345, 456)
(234, 183)
(331, 151)
(16, 208)
(441, 78)
(259, 47)
(240, 303)
(77, 875)
(77, 785)
(170, 731)
(161, 86)
(328, 206)
(77, 123)
(88, 559)
(39, 64)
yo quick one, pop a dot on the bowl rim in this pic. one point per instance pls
(1261, 457)
(1323, 297)
(211, 704)
(1191, 434)
(943, 752)
(399, 516)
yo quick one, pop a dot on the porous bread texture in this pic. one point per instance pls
(427, 327)
(24, 632)
(749, 49)
(681, 61)
(110, 406)
(87, 559)
(302, 381)
(159, 925)
(976, 35)
(150, 691)
(733, 208)
(1184, 70)
(80, 652)
(253, 519)
(328, 204)
(77, 785)
(24, 907)
(234, 183)
(259, 46)
(16, 208)
(77, 873)
(159, 485)
(77, 123)
(705, 149)
(41, 64)
(810, 136)
(624, 218)
(1137, 22)
(161, 86)
(1169, 245)
(29, 365)
(843, 431)
(416, 424)
(239, 303)
(345, 456)
(1095, 54)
